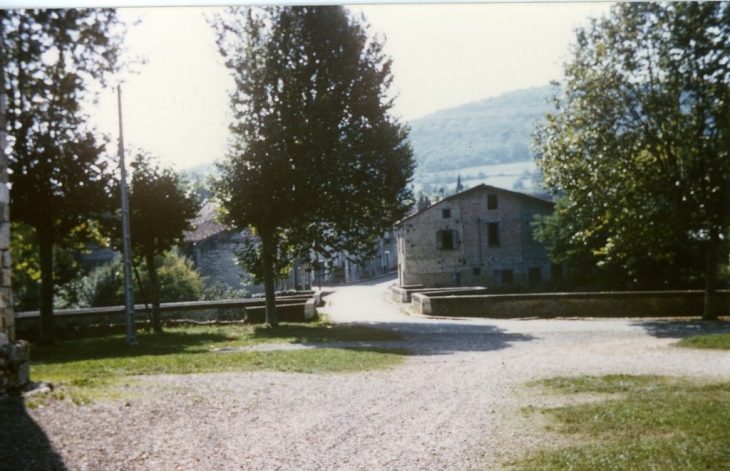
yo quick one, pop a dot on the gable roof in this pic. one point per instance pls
(205, 224)
(479, 188)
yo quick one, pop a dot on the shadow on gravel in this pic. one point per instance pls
(444, 338)
(683, 329)
(23, 444)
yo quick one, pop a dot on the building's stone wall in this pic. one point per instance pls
(421, 260)
(14, 356)
(473, 260)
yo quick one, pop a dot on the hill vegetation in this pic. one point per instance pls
(491, 131)
(486, 141)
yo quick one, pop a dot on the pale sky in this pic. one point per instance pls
(176, 107)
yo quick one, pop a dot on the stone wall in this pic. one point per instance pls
(289, 309)
(14, 361)
(613, 304)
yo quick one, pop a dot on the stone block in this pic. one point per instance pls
(20, 353)
(4, 193)
(5, 301)
(7, 259)
(6, 277)
(310, 309)
(23, 375)
(3, 339)
(5, 236)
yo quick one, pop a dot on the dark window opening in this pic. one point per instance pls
(491, 201)
(446, 213)
(556, 271)
(493, 234)
(477, 271)
(445, 240)
(534, 276)
(506, 277)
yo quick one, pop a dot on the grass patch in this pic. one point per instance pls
(713, 341)
(90, 368)
(645, 423)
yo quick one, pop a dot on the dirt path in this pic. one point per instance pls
(449, 406)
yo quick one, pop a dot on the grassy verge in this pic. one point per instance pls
(89, 368)
(714, 341)
(643, 423)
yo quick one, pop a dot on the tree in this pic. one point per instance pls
(160, 210)
(638, 143)
(58, 169)
(317, 161)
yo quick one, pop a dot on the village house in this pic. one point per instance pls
(212, 247)
(384, 261)
(479, 237)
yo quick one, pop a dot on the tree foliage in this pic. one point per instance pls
(59, 177)
(638, 144)
(317, 162)
(104, 285)
(161, 208)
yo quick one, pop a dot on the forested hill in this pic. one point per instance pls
(491, 131)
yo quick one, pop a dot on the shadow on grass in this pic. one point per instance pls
(98, 348)
(304, 334)
(23, 444)
(683, 329)
(400, 338)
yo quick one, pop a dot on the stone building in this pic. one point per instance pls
(384, 260)
(212, 247)
(14, 361)
(479, 237)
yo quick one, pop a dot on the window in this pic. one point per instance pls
(534, 277)
(476, 271)
(503, 277)
(491, 201)
(493, 234)
(446, 213)
(446, 240)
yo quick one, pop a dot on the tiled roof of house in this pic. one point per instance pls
(205, 224)
(481, 187)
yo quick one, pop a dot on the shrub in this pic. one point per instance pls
(104, 286)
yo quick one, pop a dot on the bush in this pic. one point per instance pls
(178, 279)
(219, 291)
(104, 286)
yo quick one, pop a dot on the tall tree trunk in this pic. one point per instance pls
(710, 312)
(267, 254)
(45, 248)
(155, 282)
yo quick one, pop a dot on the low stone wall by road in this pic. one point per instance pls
(289, 309)
(613, 304)
(402, 294)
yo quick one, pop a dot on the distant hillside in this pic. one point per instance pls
(486, 141)
(492, 131)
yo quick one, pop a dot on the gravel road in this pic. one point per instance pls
(452, 405)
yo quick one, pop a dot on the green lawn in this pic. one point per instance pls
(90, 367)
(643, 423)
(714, 341)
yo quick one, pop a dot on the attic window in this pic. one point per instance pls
(446, 213)
(492, 202)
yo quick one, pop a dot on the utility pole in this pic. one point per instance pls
(126, 238)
